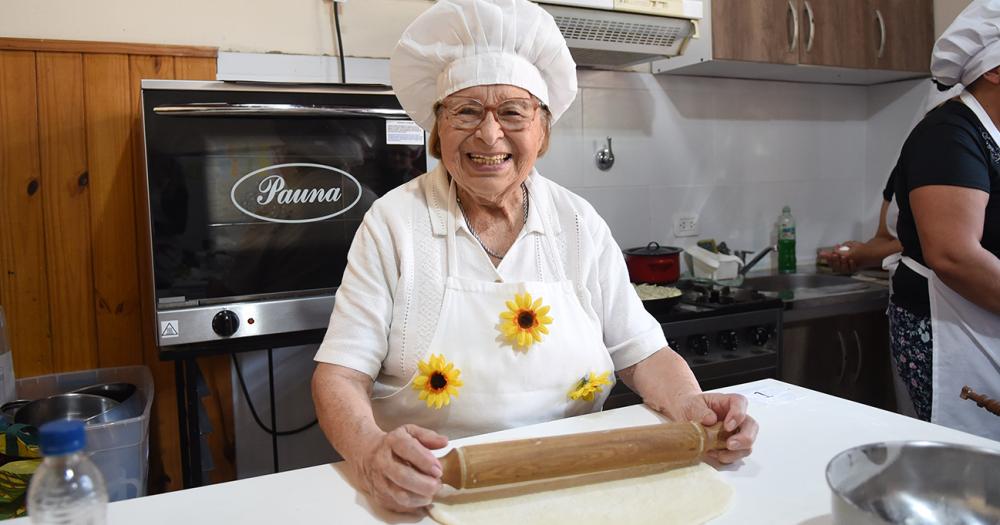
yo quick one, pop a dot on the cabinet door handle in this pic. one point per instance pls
(793, 42)
(881, 32)
(861, 357)
(812, 26)
(843, 358)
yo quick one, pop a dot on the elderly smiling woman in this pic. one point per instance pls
(482, 296)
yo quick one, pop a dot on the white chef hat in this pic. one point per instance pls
(458, 44)
(969, 47)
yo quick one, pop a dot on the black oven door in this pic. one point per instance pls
(257, 195)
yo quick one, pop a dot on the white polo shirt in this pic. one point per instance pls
(387, 306)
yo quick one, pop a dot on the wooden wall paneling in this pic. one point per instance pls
(65, 198)
(23, 281)
(188, 68)
(165, 474)
(114, 48)
(112, 209)
(216, 369)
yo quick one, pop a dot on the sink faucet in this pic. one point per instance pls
(760, 255)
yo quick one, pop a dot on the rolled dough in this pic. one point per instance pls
(687, 495)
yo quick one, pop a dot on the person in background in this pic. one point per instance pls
(944, 312)
(851, 256)
(482, 296)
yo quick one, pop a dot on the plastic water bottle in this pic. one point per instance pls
(786, 241)
(67, 488)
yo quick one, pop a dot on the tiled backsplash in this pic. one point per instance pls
(731, 151)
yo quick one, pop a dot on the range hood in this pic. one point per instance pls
(620, 33)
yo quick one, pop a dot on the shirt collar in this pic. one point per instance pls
(539, 203)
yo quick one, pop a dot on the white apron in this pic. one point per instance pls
(503, 386)
(966, 351)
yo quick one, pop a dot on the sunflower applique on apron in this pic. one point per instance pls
(524, 322)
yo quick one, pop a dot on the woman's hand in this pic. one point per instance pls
(399, 471)
(731, 409)
(844, 257)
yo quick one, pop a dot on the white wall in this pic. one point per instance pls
(371, 27)
(945, 11)
(732, 151)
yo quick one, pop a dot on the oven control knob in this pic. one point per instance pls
(672, 343)
(729, 340)
(760, 335)
(698, 344)
(225, 323)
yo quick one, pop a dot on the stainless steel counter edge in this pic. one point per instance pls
(871, 300)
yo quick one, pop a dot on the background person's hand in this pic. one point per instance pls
(399, 471)
(843, 257)
(731, 409)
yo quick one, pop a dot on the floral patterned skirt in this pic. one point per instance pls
(910, 340)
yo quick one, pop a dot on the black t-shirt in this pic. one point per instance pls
(890, 185)
(948, 147)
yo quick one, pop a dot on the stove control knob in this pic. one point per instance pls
(225, 323)
(672, 343)
(729, 340)
(698, 344)
(760, 335)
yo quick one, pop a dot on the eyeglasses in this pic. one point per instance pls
(513, 114)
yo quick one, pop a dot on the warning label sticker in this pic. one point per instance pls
(403, 132)
(169, 329)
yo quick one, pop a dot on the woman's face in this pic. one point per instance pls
(488, 161)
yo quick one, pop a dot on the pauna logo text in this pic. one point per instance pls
(296, 193)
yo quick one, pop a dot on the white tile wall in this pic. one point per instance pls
(733, 151)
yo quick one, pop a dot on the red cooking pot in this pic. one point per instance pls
(653, 264)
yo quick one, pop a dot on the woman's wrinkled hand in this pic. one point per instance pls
(399, 471)
(731, 409)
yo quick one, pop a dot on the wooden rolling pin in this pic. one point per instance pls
(492, 464)
(991, 405)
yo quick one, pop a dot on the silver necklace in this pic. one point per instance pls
(524, 206)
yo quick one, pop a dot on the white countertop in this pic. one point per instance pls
(783, 481)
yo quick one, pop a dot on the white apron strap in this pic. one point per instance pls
(450, 231)
(969, 100)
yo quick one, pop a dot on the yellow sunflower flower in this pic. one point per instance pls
(438, 381)
(589, 385)
(523, 323)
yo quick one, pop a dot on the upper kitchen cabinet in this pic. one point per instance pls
(903, 32)
(833, 33)
(826, 41)
(754, 31)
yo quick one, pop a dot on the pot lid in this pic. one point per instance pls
(653, 248)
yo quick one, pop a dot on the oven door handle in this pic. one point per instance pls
(223, 109)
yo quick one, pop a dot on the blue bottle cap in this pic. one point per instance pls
(61, 437)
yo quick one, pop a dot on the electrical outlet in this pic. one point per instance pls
(685, 225)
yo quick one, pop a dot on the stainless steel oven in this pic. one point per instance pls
(255, 194)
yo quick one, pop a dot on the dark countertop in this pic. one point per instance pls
(865, 294)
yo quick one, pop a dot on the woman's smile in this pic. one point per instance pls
(491, 163)
(489, 160)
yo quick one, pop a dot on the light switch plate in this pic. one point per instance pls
(685, 224)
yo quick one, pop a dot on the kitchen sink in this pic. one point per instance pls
(795, 281)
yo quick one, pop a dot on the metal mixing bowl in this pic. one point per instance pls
(85, 407)
(130, 399)
(117, 391)
(915, 482)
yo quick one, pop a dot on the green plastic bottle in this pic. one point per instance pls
(786, 241)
